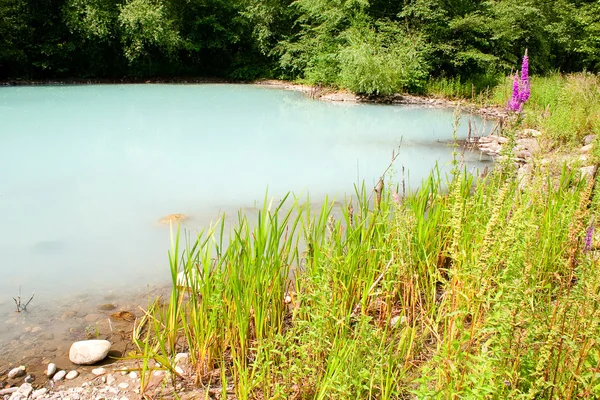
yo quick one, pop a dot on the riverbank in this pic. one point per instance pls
(335, 95)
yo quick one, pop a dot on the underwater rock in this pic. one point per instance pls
(175, 218)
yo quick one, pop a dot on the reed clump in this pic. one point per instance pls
(482, 289)
(468, 287)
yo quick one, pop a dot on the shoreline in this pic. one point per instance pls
(323, 93)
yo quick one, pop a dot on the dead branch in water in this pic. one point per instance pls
(20, 306)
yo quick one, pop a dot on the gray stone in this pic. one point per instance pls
(29, 378)
(16, 372)
(529, 144)
(586, 149)
(51, 370)
(87, 352)
(59, 376)
(589, 139)
(587, 172)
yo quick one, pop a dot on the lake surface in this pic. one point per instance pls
(87, 171)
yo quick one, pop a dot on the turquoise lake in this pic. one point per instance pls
(87, 171)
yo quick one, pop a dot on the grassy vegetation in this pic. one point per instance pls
(465, 288)
(475, 88)
(566, 107)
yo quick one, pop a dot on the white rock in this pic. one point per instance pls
(29, 379)
(59, 376)
(72, 375)
(98, 371)
(110, 379)
(531, 132)
(10, 390)
(39, 393)
(587, 172)
(587, 148)
(181, 356)
(397, 321)
(22, 393)
(123, 385)
(51, 370)
(179, 370)
(158, 373)
(89, 352)
(16, 372)
(133, 375)
(589, 139)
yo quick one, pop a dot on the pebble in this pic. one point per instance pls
(93, 317)
(72, 375)
(110, 379)
(23, 392)
(158, 373)
(123, 385)
(133, 375)
(179, 370)
(29, 378)
(107, 307)
(88, 352)
(39, 393)
(98, 371)
(51, 370)
(36, 329)
(16, 372)
(10, 390)
(397, 321)
(47, 336)
(59, 376)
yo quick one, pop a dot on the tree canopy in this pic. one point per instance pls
(368, 46)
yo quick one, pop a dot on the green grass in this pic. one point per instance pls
(566, 107)
(475, 88)
(466, 288)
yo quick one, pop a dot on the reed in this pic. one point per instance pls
(467, 287)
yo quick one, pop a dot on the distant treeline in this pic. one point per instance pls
(369, 46)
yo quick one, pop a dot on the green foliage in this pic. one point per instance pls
(145, 26)
(370, 46)
(381, 61)
(567, 107)
(480, 290)
(462, 88)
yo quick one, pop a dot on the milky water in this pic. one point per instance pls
(86, 172)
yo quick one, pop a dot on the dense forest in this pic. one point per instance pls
(368, 46)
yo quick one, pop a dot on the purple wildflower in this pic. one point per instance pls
(514, 104)
(588, 242)
(525, 87)
(521, 87)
